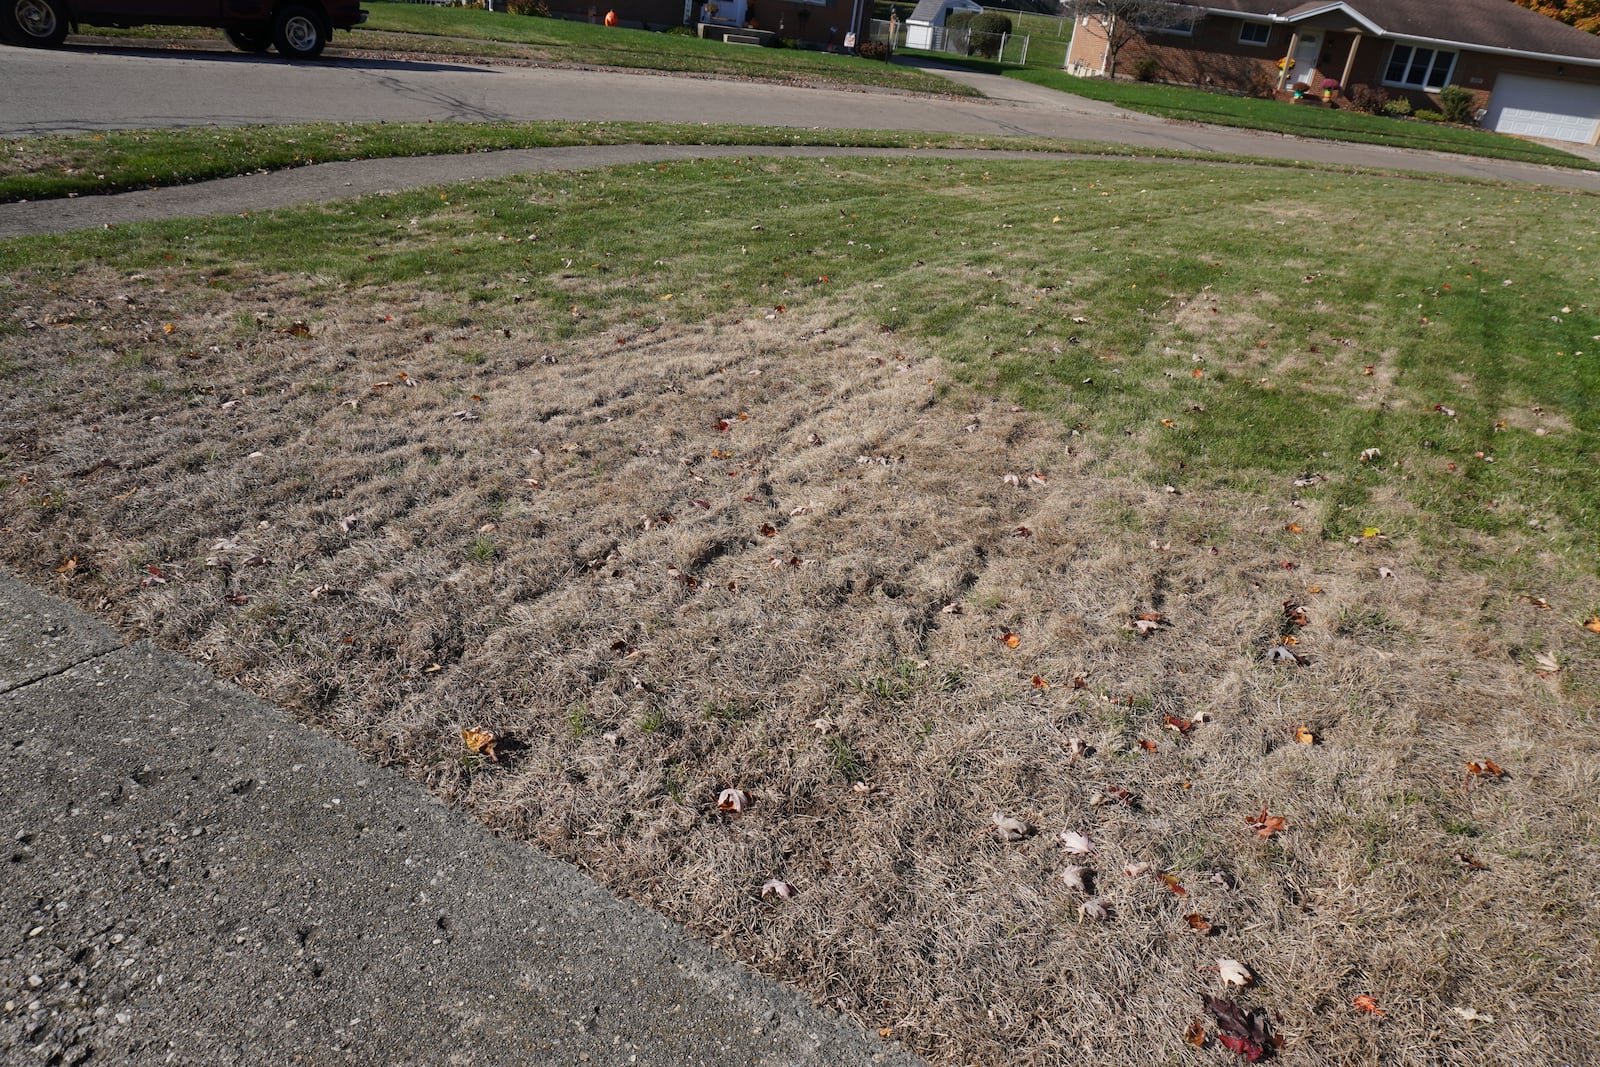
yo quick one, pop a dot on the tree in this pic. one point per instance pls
(1584, 14)
(1126, 21)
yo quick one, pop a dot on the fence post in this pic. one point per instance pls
(1001, 55)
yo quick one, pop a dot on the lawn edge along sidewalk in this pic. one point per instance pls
(193, 877)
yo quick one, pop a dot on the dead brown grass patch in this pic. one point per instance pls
(780, 555)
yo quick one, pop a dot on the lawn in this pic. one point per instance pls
(1333, 124)
(1088, 578)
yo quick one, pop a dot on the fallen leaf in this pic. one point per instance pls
(1198, 922)
(1295, 614)
(1075, 877)
(1075, 843)
(777, 888)
(1081, 680)
(1196, 1034)
(1304, 736)
(1547, 661)
(1592, 624)
(768, 530)
(481, 742)
(1180, 726)
(1266, 825)
(1171, 882)
(1039, 682)
(1385, 572)
(1472, 1015)
(1093, 909)
(1368, 454)
(1536, 601)
(1010, 640)
(68, 566)
(1134, 870)
(1244, 1033)
(1367, 1004)
(1295, 528)
(1077, 745)
(1234, 973)
(1009, 828)
(734, 800)
(1148, 746)
(1487, 769)
(1284, 654)
(1470, 862)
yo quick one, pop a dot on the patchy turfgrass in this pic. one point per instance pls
(678, 499)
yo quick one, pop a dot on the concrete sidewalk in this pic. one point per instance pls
(193, 878)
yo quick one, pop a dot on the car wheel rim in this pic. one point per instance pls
(36, 19)
(301, 33)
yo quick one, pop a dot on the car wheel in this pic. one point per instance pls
(35, 23)
(254, 39)
(298, 32)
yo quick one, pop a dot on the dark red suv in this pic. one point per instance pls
(298, 29)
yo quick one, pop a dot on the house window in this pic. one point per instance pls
(1254, 33)
(1419, 68)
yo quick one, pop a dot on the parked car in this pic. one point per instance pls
(298, 29)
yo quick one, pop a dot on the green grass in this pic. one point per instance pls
(1341, 124)
(1472, 298)
(38, 168)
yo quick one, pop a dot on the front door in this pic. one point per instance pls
(1306, 51)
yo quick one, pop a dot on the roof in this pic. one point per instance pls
(1480, 25)
(928, 10)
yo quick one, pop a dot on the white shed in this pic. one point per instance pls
(925, 27)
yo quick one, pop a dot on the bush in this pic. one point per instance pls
(1429, 115)
(678, 31)
(537, 8)
(1146, 69)
(873, 50)
(1366, 98)
(1457, 104)
(1399, 107)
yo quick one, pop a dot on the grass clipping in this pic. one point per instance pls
(774, 556)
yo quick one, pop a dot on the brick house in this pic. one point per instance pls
(1533, 76)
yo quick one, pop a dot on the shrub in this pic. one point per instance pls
(1457, 103)
(873, 50)
(1366, 98)
(1399, 107)
(537, 8)
(1429, 115)
(1145, 70)
(678, 31)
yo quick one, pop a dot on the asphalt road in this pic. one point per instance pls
(85, 88)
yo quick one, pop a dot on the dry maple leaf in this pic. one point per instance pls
(1196, 1034)
(1009, 828)
(1487, 769)
(1134, 870)
(1592, 624)
(1368, 1005)
(1295, 614)
(1093, 909)
(1536, 601)
(1285, 654)
(1266, 825)
(1039, 682)
(1075, 843)
(1076, 877)
(1234, 973)
(1244, 1033)
(1181, 726)
(1304, 736)
(1148, 746)
(777, 888)
(1010, 640)
(481, 742)
(734, 800)
(1198, 922)
(1547, 661)
(1171, 882)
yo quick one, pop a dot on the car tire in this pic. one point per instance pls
(298, 32)
(249, 39)
(34, 23)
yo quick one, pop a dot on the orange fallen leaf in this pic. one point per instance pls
(1198, 922)
(1171, 882)
(1304, 736)
(734, 800)
(1536, 601)
(1040, 683)
(1266, 825)
(1010, 640)
(1148, 746)
(68, 565)
(1196, 1034)
(1592, 624)
(1487, 769)
(1181, 726)
(1367, 1004)
(481, 742)
(1295, 527)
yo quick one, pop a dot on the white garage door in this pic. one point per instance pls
(1537, 107)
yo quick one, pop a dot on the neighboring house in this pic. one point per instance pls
(813, 22)
(924, 27)
(1532, 75)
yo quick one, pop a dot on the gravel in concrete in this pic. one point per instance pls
(193, 878)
